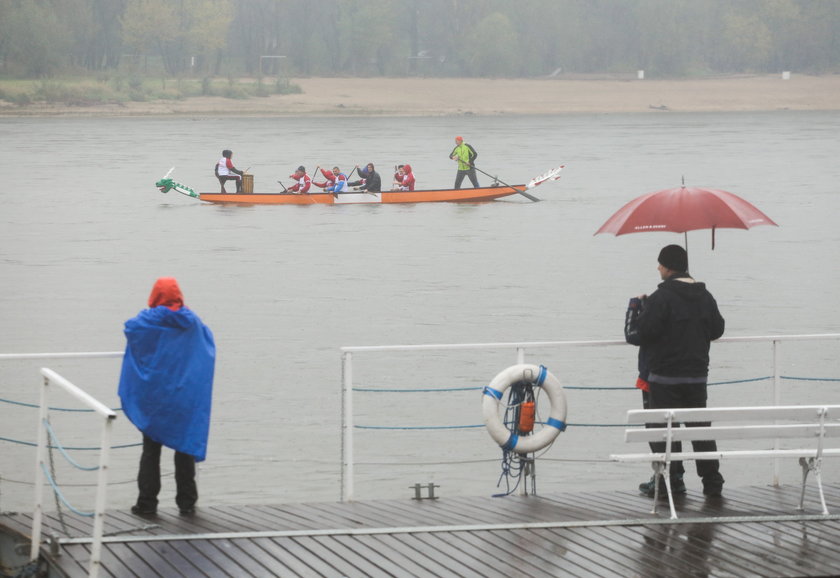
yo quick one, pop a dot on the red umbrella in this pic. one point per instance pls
(685, 209)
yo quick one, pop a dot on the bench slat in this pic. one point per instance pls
(726, 454)
(735, 432)
(788, 413)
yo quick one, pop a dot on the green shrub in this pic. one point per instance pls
(235, 91)
(284, 86)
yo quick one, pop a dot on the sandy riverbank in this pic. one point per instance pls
(446, 96)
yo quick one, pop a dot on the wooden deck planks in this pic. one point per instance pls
(626, 541)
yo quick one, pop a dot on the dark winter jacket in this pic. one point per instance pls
(675, 327)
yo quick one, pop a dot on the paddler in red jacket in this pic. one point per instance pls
(303, 181)
(336, 181)
(407, 183)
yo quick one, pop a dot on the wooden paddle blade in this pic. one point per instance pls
(527, 196)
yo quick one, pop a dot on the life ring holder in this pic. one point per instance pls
(539, 376)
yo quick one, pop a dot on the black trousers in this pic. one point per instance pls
(682, 396)
(459, 178)
(148, 479)
(236, 178)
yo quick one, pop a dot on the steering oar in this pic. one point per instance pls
(552, 174)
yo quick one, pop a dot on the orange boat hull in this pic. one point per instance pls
(476, 195)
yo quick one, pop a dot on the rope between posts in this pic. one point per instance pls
(471, 426)
(61, 496)
(73, 448)
(35, 405)
(575, 387)
(64, 453)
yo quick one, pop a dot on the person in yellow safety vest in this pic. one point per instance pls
(465, 155)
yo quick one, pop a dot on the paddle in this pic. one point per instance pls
(536, 181)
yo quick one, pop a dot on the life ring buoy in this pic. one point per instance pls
(539, 376)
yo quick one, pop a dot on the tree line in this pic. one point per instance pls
(466, 38)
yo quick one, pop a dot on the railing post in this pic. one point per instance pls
(40, 459)
(777, 399)
(520, 355)
(51, 377)
(347, 427)
(101, 493)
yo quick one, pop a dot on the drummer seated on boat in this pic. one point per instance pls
(370, 181)
(336, 181)
(303, 181)
(225, 171)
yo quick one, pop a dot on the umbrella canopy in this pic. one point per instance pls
(685, 209)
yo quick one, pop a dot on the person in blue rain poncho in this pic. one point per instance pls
(166, 388)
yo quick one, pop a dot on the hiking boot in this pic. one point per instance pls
(141, 511)
(649, 488)
(713, 485)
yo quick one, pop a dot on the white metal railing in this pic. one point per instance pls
(347, 353)
(72, 355)
(108, 416)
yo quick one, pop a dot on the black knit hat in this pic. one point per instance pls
(674, 257)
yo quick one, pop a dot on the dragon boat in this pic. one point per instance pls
(468, 195)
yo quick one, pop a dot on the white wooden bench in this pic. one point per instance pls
(810, 425)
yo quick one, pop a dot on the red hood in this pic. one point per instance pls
(407, 168)
(167, 293)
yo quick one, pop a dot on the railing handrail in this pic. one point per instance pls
(62, 355)
(576, 343)
(347, 352)
(108, 415)
(81, 395)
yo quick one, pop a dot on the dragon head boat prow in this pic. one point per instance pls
(166, 184)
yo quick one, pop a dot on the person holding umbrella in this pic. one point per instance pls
(675, 328)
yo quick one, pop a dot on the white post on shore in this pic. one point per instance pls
(640, 74)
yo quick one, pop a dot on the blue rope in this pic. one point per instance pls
(377, 390)
(67, 457)
(118, 447)
(61, 496)
(35, 405)
(809, 378)
(741, 380)
(570, 387)
(597, 388)
(473, 426)
(406, 427)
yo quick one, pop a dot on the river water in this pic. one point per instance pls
(85, 234)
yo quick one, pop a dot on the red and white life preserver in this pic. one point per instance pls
(539, 376)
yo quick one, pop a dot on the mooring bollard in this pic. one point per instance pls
(419, 487)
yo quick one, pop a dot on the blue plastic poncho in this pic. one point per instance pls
(166, 383)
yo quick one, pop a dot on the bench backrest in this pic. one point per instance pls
(805, 422)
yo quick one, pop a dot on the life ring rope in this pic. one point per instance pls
(492, 395)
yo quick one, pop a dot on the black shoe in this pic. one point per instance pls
(186, 511)
(713, 485)
(649, 489)
(141, 511)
